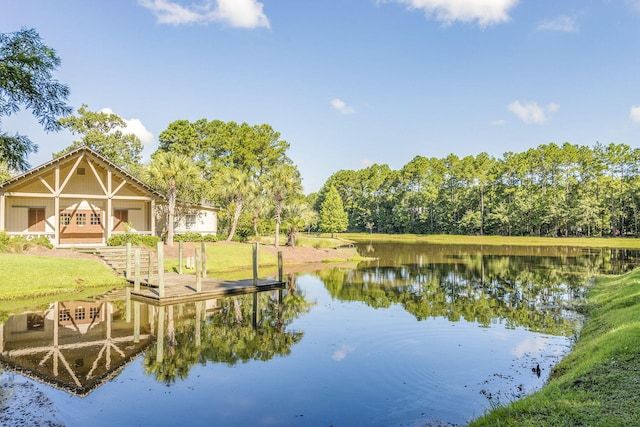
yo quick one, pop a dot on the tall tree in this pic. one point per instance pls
(104, 133)
(174, 175)
(234, 188)
(282, 183)
(333, 218)
(26, 80)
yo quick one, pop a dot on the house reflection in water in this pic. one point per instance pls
(75, 345)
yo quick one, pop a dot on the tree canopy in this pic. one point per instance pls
(26, 81)
(333, 218)
(104, 133)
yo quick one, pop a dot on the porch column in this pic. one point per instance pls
(109, 218)
(2, 208)
(56, 206)
(56, 219)
(109, 213)
(152, 217)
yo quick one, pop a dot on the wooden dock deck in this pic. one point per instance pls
(179, 288)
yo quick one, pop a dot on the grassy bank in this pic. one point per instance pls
(37, 276)
(597, 384)
(225, 258)
(447, 239)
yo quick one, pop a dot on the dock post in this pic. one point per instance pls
(161, 269)
(160, 335)
(136, 270)
(280, 276)
(180, 254)
(150, 269)
(136, 322)
(127, 268)
(128, 310)
(255, 263)
(198, 272)
(203, 249)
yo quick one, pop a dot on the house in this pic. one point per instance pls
(82, 198)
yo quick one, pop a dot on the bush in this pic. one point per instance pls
(134, 239)
(20, 243)
(194, 237)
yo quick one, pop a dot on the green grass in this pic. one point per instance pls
(324, 241)
(38, 276)
(598, 383)
(448, 239)
(225, 258)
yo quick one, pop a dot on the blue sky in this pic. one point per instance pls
(350, 83)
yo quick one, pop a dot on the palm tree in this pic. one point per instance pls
(173, 175)
(281, 184)
(298, 215)
(237, 187)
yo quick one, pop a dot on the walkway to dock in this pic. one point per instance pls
(165, 288)
(180, 288)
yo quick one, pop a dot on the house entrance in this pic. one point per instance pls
(36, 220)
(81, 226)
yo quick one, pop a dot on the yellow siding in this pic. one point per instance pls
(138, 213)
(17, 218)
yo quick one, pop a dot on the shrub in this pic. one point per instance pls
(195, 237)
(134, 239)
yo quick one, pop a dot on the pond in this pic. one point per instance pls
(423, 335)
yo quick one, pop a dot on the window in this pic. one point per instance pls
(80, 313)
(65, 219)
(96, 219)
(81, 219)
(190, 221)
(64, 315)
(94, 312)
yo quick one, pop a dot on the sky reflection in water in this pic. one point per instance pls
(390, 343)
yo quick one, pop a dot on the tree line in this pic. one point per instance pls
(551, 190)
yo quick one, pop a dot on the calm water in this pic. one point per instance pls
(423, 335)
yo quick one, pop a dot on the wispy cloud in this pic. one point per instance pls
(135, 127)
(561, 23)
(634, 113)
(635, 4)
(342, 352)
(532, 112)
(499, 122)
(237, 13)
(342, 107)
(484, 12)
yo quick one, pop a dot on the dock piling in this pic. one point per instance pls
(160, 269)
(203, 250)
(136, 270)
(180, 254)
(255, 263)
(127, 269)
(198, 272)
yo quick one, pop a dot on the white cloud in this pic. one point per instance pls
(237, 13)
(484, 12)
(561, 23)
(342, 107)
(499, 122)
(342, 352)
(135, 127)
(634, 113)
(531, 112)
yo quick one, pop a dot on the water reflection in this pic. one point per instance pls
(73, 345)
(78, 345)
(224, 330)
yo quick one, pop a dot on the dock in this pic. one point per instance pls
(179, 288)
(166, 288)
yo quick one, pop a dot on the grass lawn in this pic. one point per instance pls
(598, 383)
(225, 258)
(449, 239)
(36, 276)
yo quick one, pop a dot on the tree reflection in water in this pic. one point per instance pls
(226, 330)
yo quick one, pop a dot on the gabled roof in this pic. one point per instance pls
(88, 151)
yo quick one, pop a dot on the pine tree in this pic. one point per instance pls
(333, 217)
